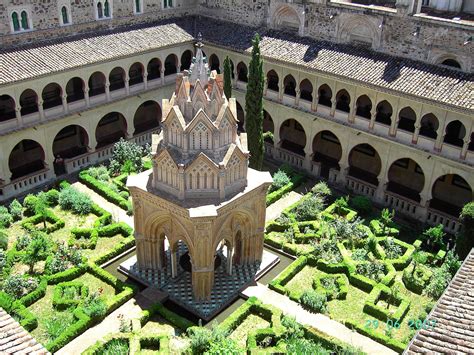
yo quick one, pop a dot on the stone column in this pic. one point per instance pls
(162, 71)
(145, 79)
(281, 88)
(174, 263)
(265, 86)
(333, 106)
(314, 103)
(140, 243)
(19, 118)
(234, 80)
(439, 140)
(86, 96)
(221, 181)
(41, 109)
(202, 280)
(464, 147)
(181, 182)
(380, 191)
(107, 88)
(229, 259)
(352, 111)
(343, 172)
(393, 126)
(308, 152)
(65, 105)
(297, 97)
(127, 84)
(373, 114)
(178, 67)
(416, 133)
(422, 211)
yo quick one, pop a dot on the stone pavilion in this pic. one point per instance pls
(200, 212)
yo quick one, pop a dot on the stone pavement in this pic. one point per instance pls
(317, 321)
(274, 210)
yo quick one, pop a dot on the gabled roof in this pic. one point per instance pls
(233, 150)
(225, 112)
(201, 116)
(163, 154)
(14, 339)
(454, 315)
(204, 158)
(175, 114)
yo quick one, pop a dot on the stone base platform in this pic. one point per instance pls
(179, 290)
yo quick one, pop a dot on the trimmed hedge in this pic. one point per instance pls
(296, 180)
(414, 282)
(279, 283)
(56, 223)
(371, 307)
(341, 282)
(60, 302)
(393, 344)
(377, 228)
(103, 190)
(329, 212)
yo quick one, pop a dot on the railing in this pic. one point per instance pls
(269, 149)
(400, 203)
(27, 182)
(290, 157)
(271, 94)
(77, 163)
(451, 224)
(104, 153)
(360, 187)
(333, 175)
(315, 168)
(143, 138)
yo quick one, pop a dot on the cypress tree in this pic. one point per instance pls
(227, 78)
(254, 107)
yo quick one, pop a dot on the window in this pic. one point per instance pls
(64, 15)
(138, 6)
(167, 3)
(20, 21)
(104, 9)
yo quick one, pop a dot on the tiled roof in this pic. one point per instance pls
(27, 62)
(16, 340)
(454, 313)
(360, 64)
(448, 86)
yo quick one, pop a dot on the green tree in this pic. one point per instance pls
(227, 78)
(37, 250)
(418, 257)
(254, 107)
(465, 238)
(41, 208)
(124, 152)
(434, 236)
(386, 218)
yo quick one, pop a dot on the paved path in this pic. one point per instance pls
(274, 210)
(118, 214)
(317, 321)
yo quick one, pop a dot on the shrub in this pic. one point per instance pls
(360, 254)
(322, 190)
(314, 301)
(302, 346)
(362, 204)
(3, 259)
(16, 210)
(373, 270)
(94, 306)
(280, 179)
(124, 194)
(309, 208)
(452, 262)
(64, 258)
(5, 217)
(128, 155)
(99, 172)
(22, 242)
(37, 250)
(327, 250)
(18, 285)
(3, 240)
(29, 204)
(439, 281)
(57, 324)
(75, 201)
(434, 236)
(392, 249)
(201, 338)
(293, 328)
(52, 197)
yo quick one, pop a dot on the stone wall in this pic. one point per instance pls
(46, 23)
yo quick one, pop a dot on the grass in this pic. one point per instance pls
(303, 280)
(251, 323)
(115, 347)
(156, 325)
(103, 246)
(44, 311)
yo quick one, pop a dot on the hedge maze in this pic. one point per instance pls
(338, 254)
